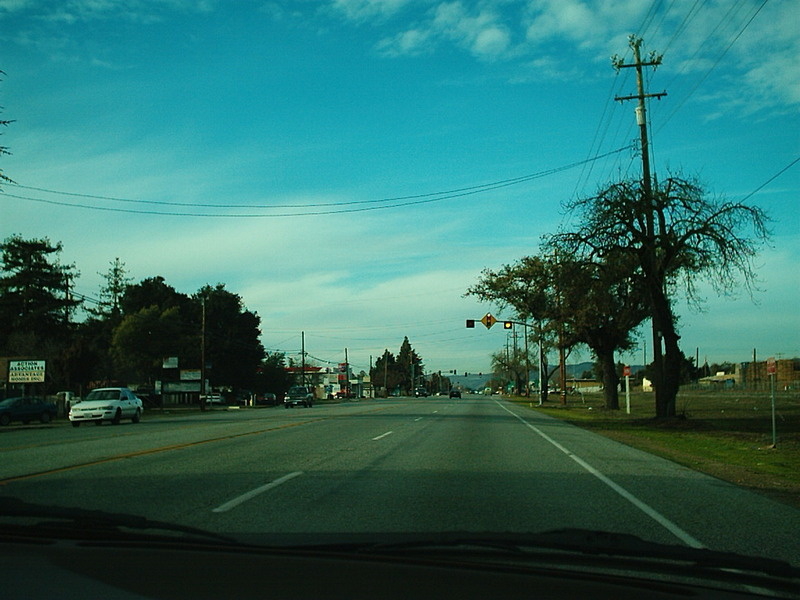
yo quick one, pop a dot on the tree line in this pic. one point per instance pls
(129, 329)
(405, 372)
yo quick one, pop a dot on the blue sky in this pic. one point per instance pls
(321, 158)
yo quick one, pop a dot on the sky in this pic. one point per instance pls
(350, 167)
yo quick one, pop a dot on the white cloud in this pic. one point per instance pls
(14, 5)
(479, 29)
(491, 41)
(71, 11)
(572, 19)
(410, 42)
(360, 10)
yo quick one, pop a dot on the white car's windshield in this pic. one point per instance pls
(104, 395)
(293, 271)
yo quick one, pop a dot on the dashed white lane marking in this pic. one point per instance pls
(253, 493)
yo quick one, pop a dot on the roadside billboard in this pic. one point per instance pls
(26, 371)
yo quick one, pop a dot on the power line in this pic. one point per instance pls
(713, 66)
(384, 203)
(688, 18)
(771, 179)
(641, 31)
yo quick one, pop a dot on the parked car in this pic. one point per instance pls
(107, 404)
(215, 398)
(267, 399)
(455, 393)
(26, 409)
(299, 395)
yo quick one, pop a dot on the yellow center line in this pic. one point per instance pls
(151, 451)
(139, 453)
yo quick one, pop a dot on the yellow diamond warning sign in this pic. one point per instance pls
(488, 320)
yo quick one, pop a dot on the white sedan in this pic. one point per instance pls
(107, 404)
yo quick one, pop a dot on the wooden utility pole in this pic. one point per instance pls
(647, 187)
(67, 297)
(203, 391)
(303, 358)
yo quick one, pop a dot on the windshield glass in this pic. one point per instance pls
(405, 268)
(103, 395)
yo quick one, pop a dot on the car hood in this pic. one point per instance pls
(90, 404)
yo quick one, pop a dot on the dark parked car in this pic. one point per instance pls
(26, 409)
(267, 399)
(455, 393)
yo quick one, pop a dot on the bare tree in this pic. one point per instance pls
(693, 238)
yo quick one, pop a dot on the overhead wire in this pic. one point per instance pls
(771, 179)
(688, 18)
(716, 62)
(649, 16)
(381, 204)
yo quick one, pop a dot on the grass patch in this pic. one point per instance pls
(727, 434)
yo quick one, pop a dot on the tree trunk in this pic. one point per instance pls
(667, 369)
(544, 385)
(610, 379)
(672, 372)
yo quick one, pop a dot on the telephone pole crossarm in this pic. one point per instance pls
(658, 95)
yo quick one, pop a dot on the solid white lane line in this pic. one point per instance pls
(645, 508)
(383, 435)
(253, 493)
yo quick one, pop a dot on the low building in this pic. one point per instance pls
(584, 386)
(720, 380)
(755, 374)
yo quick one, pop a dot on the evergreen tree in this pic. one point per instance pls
(35, 301)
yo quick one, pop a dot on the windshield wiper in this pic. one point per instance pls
(582, 542)
(92, 523)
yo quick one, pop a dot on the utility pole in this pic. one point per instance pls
(386, 372)
(562, 358)
(641, 120)
(542, 382)
(67, 298)
(346, 374)
(203, 358)
(527, 361)
(303, 358)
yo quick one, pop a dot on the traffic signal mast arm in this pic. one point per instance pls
(488, 320)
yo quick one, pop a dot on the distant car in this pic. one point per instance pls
(107, 404)
(299, 395)
(421, 392)
(267, 399)
(455, 393)
(26, 409)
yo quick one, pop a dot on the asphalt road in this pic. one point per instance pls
(401, 465)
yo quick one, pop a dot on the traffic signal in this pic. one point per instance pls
(508, 325)
(471, 323)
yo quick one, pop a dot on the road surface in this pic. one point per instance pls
(477, 464)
